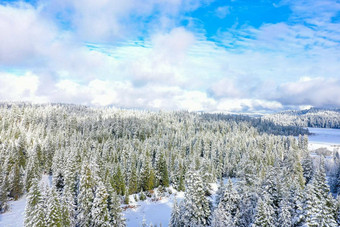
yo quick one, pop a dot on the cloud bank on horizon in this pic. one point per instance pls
(196, 55)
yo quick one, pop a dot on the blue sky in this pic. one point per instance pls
(197, 55)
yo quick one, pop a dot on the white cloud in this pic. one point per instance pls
(123, 94)
(112, 20)
(163, 61)
(225, 88)
(19, 88)
(25, 35)
(172, 68)
(247, 105)
(311, 91)
(317, 12)
(222, 11)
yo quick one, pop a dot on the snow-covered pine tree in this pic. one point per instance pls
(296, 199)
(115, 211)
(133, 180)
(325, 214)
(227, 211)
(15, 178)
(100, 210)
(175, 220)
(307, 165)
(310, 206)
(85, 196)
(265, 214)
(35, 212)
(54, 214)
(147, 174)
(162, 170)
(285, 219)
(118, 181)
(196, 208)
(222, 219)
(33, 169)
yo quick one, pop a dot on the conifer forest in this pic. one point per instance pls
(97, 159)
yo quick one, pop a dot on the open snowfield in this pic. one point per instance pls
(159, 212)
(324, 136)
(150, 212)
(15, 216)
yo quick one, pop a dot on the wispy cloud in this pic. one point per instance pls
(139, 54)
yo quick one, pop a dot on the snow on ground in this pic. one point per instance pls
(325, 136)
(15, 216)
(46, 180)
(156, 213)
(159, 212)
(313, 146)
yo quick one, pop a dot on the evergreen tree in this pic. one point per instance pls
(15, 181)
(325, 214)
(227, 211)
(100, 210)
(116, 217)
(265, 215)
(195, 209)
(175, 220)
(162, 171)
(285, 219)
(133, 183)
(35, 210)
(307, 165)
(32, 170)
(54, 214)
(147, 175)
(85, 196)
(119, 182)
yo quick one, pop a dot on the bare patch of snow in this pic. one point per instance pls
(152, 212)
(15, 216)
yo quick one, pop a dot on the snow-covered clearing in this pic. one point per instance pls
(323, 137)
(15, 216)
(158, 212)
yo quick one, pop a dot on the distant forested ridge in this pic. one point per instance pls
(314, 117)
(97, 157)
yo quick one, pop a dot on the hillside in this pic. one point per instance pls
(314, 117)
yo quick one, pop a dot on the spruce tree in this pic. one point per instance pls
(115, 211)
(196, 208)
(35, 212)
(265, 214)
(54, 213)
(285, 219)
(227, 211)
(85, 196)
(175, 220)
(100, 210)
(133, 182)
(325, 214)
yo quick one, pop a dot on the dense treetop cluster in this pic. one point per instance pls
(98, 157)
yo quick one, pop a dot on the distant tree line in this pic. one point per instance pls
(314, 117)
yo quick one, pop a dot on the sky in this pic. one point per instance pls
(249, 56)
